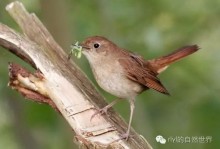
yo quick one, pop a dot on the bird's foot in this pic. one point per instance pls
(125, 136)
(105, 109)
(100, 111)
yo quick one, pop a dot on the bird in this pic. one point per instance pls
(125, 74)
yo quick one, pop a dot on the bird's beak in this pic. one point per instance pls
(84, 47)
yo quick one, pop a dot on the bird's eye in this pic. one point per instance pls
(96, 45)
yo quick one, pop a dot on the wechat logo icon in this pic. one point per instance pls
(160, 139)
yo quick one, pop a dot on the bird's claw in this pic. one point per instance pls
(125, 136)
(100, 111)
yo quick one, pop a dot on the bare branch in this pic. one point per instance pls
(31, 86)
(62, 82)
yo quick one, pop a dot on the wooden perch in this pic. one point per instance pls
(61, 84)
(31, 86)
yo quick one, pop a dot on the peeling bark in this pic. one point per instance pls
(61, 84)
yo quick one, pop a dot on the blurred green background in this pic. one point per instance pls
(148, 27)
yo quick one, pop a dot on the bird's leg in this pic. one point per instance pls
(132, 106)
(105, 109)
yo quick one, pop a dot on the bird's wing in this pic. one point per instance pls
(137, 70)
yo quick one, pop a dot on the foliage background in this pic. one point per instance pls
(148, 27)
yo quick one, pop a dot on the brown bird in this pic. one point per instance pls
(125, 74)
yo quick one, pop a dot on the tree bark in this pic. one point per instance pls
(61, 83)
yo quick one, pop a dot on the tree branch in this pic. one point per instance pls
(61, 83)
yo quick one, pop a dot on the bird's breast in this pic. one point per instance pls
(111, 77)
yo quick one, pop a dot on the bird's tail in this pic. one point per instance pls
(161, 63)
